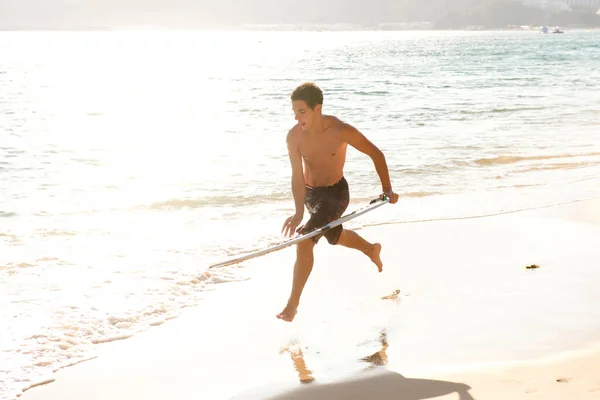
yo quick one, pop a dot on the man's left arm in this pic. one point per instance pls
(356, 139)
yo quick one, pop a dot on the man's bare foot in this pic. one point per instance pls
(374, 256)
(288, 313)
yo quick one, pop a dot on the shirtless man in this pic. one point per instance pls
(321, 142)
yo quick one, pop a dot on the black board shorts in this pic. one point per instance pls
(326, 204)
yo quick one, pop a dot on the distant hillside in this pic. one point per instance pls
(493, 14)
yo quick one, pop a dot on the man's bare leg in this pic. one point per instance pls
(353, 240)
(302, 270)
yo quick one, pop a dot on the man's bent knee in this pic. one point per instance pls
(305, 246)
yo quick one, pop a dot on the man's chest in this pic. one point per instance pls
(321, 149)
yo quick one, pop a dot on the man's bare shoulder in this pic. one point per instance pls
(294, 134)
(333, 122)
(339, 126)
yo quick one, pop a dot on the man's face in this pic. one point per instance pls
(304, 114)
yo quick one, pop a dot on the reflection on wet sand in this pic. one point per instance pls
(295, 351)
(379, 384)
(379, 358)
(376, 359)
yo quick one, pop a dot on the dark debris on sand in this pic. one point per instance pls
(532, 266)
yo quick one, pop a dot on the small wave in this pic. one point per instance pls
(520, 79)
(518, 186)
(5, 214)
(372, 93)
(87, 161)
(215, 201)
(501, 110)
(556, 166)
(425, 169)
(55, 232)
(458, 147)
(505, 110)
(428, 169)
(40, 382)
(108, 339)
(419, 194)
(589, 178)
(45, 259)
(500, 160)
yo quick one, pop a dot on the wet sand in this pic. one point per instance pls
(469, 321)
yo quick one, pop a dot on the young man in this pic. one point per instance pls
(321, 142)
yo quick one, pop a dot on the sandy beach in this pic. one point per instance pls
(470, 321)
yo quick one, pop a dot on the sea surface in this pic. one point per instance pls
(132, 160)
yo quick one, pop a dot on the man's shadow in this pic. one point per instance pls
(376, 383)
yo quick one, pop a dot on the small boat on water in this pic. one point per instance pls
(556, 30)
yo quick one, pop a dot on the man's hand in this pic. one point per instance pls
(290, 225)
(391, 195)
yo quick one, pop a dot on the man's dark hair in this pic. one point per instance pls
(310, 93)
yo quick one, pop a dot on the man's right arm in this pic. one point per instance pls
(298, 184)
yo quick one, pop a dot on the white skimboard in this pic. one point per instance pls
(373, 204)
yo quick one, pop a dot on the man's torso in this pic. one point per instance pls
(323, 154)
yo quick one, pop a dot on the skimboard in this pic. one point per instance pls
(373, 204)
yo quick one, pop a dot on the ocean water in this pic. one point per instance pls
(130, 161)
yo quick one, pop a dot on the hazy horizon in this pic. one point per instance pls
(184, 13)
(234, 14)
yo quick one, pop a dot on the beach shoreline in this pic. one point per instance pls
(469, 314)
